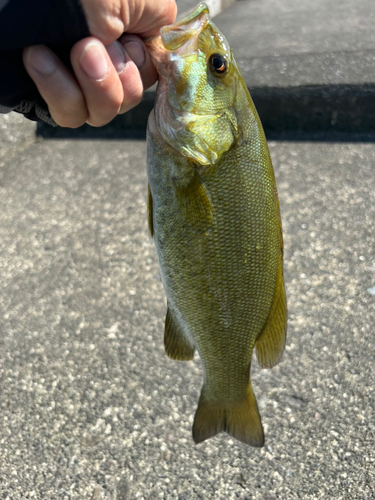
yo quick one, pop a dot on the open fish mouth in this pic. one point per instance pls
(180, 38)
(187, 30)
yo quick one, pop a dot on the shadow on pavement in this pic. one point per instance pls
(313, 112)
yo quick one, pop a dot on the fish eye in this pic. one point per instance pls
(218, 64)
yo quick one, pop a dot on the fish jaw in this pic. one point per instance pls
(184, 34)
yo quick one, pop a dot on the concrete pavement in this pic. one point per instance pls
(92, 408)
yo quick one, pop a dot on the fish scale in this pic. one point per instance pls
(214, 216)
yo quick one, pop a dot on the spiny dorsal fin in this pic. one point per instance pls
(271, 341)
(149, 212)
(175, 343)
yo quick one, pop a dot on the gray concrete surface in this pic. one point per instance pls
(325, 42)
(16, 133)
(91, 407)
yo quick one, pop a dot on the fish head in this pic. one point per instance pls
(195, 108)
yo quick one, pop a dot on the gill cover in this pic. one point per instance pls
(195, 103)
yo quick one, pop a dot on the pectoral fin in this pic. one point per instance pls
(175, 343)
(149, 212)
(271, 342)
(195, 200)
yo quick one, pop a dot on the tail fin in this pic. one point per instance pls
(241, 419)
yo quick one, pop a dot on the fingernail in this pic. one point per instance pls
(41, 59)
(136, 52)
(117, 54)
(94, 62)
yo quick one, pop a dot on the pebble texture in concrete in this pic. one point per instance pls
(91, 407)
(16, 133)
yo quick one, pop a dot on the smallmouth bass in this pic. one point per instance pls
(213, 212)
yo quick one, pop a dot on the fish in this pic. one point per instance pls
(214, 216)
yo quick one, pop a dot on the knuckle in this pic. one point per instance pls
(100, 116)
(132, 101)
(69, 119)
(106, 31)
(117, 102)
(133, 94)
(99, 120)
(97, 124)
(68, 122)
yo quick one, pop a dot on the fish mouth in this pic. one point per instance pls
(181, 36)
(176, 35)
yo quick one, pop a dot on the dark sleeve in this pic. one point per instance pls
(59, 24)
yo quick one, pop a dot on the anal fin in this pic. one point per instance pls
(271, 341)
(175, 343)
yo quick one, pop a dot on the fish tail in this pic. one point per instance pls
(239, 419)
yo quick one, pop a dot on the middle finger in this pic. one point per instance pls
(99, 79)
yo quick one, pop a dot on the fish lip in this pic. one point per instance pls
(178, 40)
(174, 36)
(202, 8)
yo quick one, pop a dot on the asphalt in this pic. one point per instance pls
(91, 407)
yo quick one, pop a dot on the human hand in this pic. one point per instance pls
(109, 75)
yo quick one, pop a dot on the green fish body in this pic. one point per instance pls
(214, 216)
